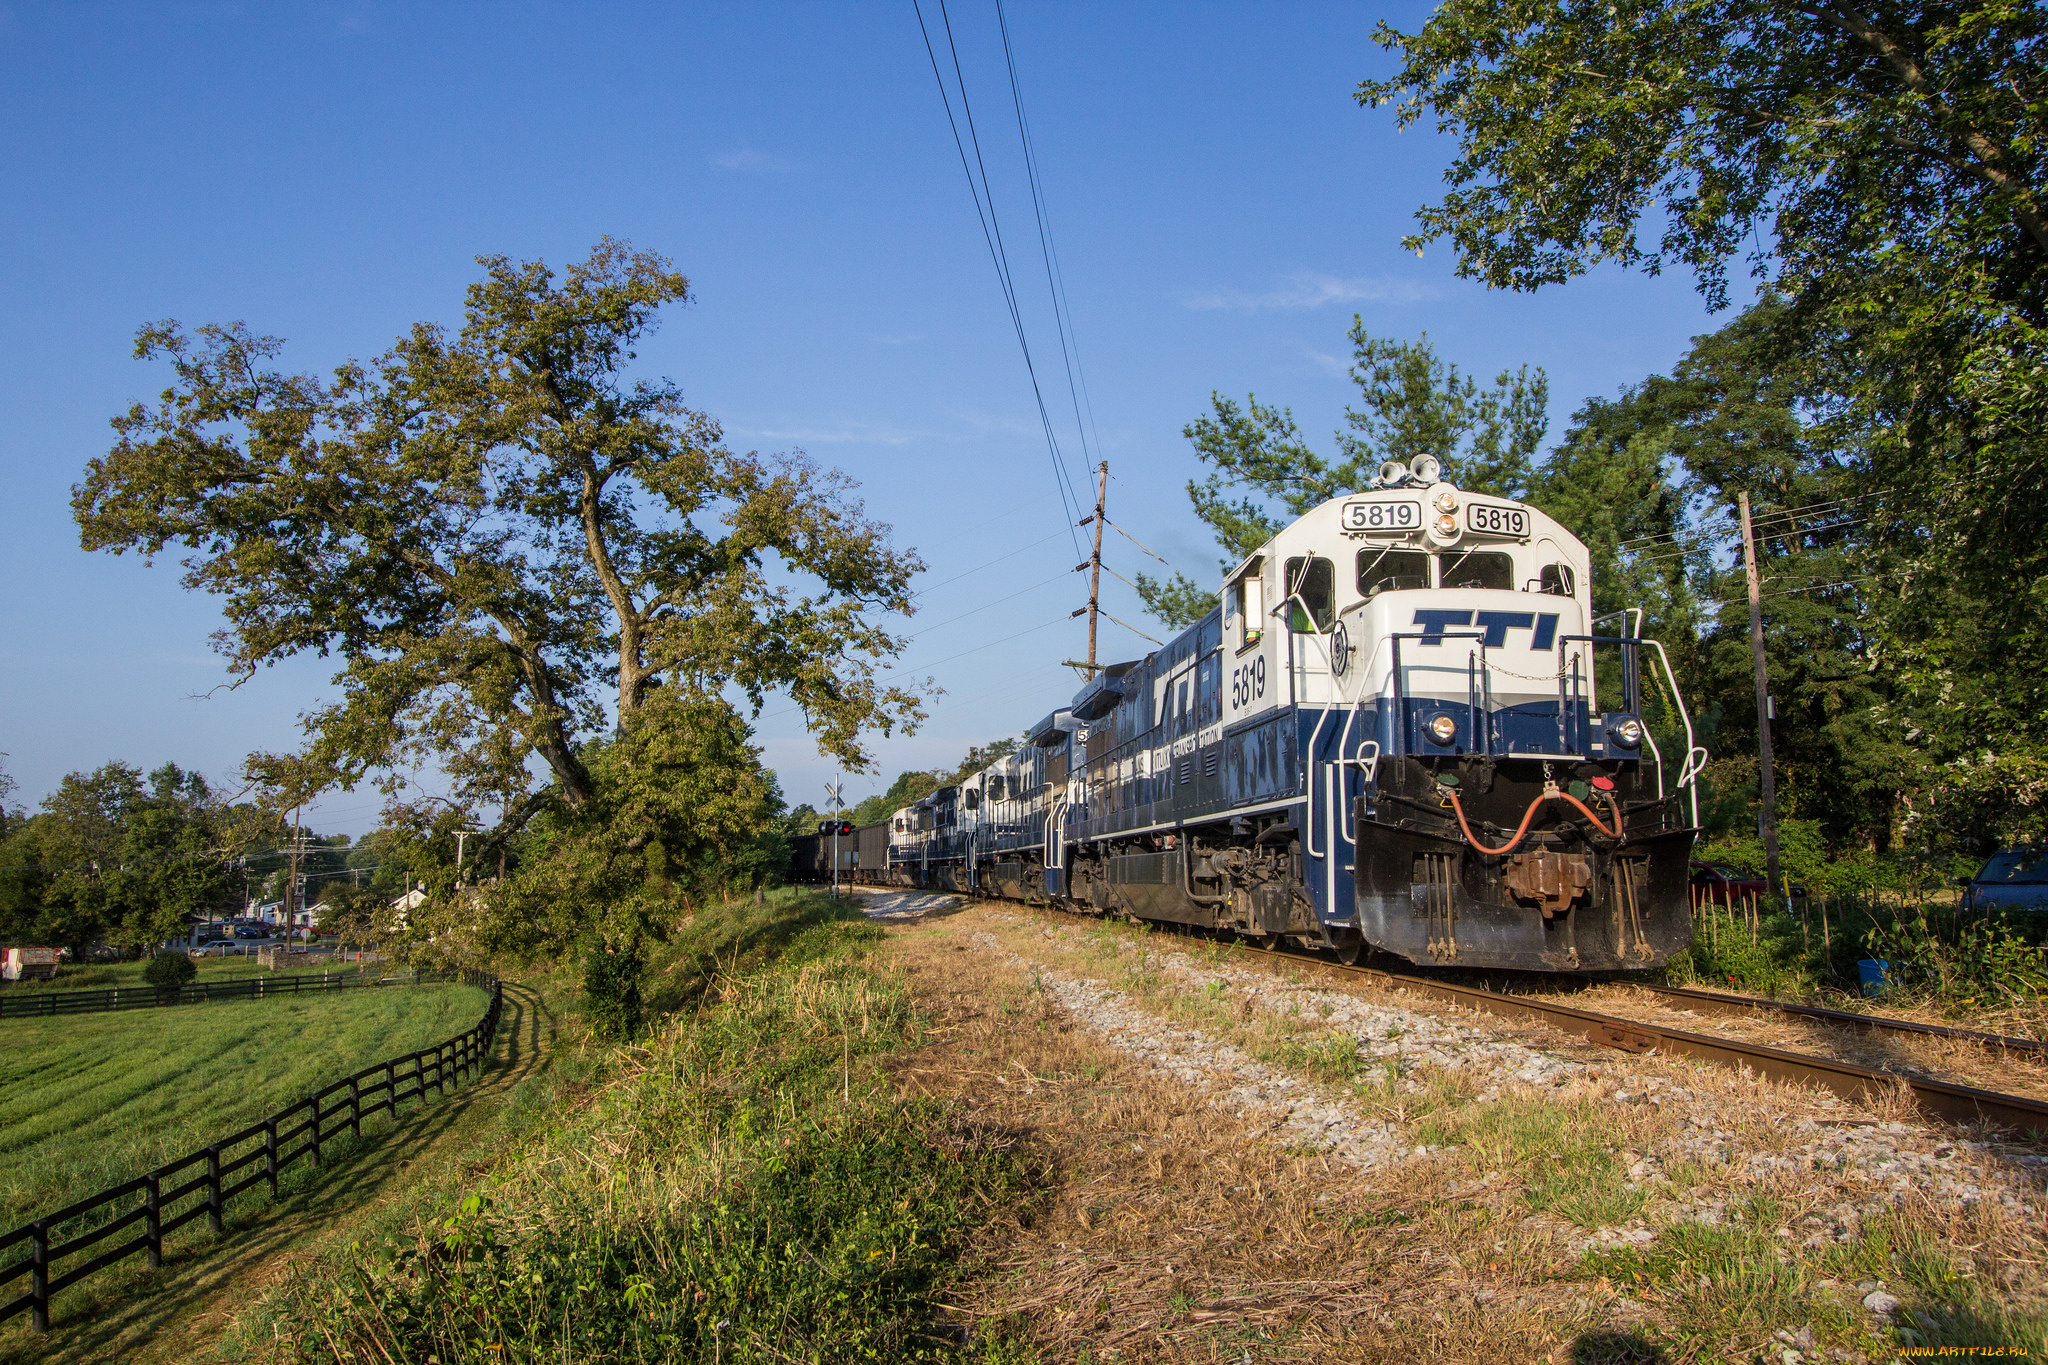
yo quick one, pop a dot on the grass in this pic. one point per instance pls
(743, 1186)
(1728, 1286)
(91, 1100)
(1564, 1153)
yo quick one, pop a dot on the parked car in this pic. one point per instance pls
(220, 947)
(249, 931)
(1721, 884)
(2016, 879)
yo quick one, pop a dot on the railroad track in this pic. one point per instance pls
(2026, 1117)
(1961, 1104)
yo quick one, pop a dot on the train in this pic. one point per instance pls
(1401, 732)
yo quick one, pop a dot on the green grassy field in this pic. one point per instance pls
(90, 1100)
(99, 976)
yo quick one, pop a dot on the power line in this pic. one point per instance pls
(991, 231)
(1062, 316)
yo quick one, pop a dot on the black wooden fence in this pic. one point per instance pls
(217, 1172)
(29, 1004)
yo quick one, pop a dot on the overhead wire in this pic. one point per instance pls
(991, 231)
(1063, 321)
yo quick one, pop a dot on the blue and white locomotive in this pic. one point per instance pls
(1389, 735)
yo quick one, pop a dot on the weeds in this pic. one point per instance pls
(748, 1189)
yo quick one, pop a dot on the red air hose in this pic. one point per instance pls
(1509, 846)
(1528, 815)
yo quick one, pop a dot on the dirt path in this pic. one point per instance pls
(1257, 1166)
(183, 1312)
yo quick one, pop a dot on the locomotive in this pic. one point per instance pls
(1400, 731)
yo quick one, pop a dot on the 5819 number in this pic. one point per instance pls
(1247, 684)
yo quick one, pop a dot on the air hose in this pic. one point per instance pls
(1549, 791)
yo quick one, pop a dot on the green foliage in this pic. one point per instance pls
(1884, 172)
(773, 1200)
(112, 857)
(679, 807)
(1178, 601)
(488, 528)
(1411, 402)
(612, 1007)
(169, 970)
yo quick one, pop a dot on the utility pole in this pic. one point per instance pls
(1769, 819)
(291, 880)
(1094, 566)
(832, 789)
(461, 836)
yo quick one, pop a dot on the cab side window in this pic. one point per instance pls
(1391, 570)
(1311, 583)
(1476, 569)
(1246, 602)
(1556, 579)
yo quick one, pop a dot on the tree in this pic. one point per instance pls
(488, 527)
(1411, 403)
(681, 806)
(112, 858)
(1884, 172)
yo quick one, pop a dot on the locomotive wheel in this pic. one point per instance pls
(1351, 953)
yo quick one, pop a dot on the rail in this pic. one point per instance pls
(44, 1004)
(1938, 1099)
(222, 1172)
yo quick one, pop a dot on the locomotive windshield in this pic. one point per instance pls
(1391, 570)
(1476, 569)
(1311, 582)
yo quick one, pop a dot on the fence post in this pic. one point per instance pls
(314, 1129)
(39, 1276)
(355, 1107)
(213, 1187)
(270, 1153)
(153, 1218)
(391, 1090)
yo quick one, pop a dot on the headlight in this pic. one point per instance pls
(1443, 729)
(1447, 501)
(1447, 526)
(1629, 733)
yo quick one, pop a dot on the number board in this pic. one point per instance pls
(1490, 520)
(1382, 516)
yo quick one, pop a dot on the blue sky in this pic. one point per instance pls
(1219, 203)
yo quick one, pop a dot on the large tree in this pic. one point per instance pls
(514, 546)
(1410, 402)
(1883, 171)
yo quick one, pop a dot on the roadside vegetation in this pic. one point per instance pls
(743, 1185)
(88, 1101)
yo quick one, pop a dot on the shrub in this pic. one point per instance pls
(169, 970)
(611, 993)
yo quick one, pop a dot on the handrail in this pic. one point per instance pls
(465, 1053)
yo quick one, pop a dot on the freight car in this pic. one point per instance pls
(1401, 730)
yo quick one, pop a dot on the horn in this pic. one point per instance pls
(1427, 468)
(1393, 474)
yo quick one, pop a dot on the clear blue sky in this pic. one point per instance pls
(1220, 204)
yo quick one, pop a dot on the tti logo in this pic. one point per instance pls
(1496, 624)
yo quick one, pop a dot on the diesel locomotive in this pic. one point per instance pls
(1402, 730)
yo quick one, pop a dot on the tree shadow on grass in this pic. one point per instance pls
(1616, 1348)
(180, 1311)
